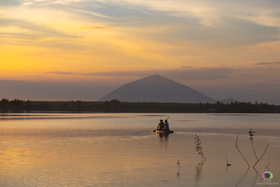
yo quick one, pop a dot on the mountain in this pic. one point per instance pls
(229, 100)
(156, 88)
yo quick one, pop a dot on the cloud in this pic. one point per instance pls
(245, 75)
(207, 73)
(17, 36)
(171, 22)
(118, 73)
(93, 27)
(40, 29)
(183, 67)
(10, 2)
(19, 32)
(181, 47)
(207, 13)
(89, 13)
(184, 72)
(61, 73)
(266, 63)
(210, 13)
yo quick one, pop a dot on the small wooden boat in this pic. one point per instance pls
(161, 131)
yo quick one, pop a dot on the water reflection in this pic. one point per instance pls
(226, 168)
(198, 171)
(163, 139)
(178, 173)
(228, 164)
(164, 135)
(242, 178)
(266, 166)
(255, 179)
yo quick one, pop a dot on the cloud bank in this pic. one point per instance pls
(211, 73)
(267, 63)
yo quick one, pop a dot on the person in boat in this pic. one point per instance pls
(166, 126)
(160, 125)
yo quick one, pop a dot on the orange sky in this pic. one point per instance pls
(108, 41)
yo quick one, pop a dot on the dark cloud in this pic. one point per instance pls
(266, 63)
(10, 2)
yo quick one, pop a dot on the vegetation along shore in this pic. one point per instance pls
(117, 106)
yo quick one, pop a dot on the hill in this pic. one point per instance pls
(157, 88)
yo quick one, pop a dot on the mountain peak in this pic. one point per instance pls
(154, 76)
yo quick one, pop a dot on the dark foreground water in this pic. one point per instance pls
(121, 150)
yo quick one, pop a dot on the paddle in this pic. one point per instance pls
(156, 129)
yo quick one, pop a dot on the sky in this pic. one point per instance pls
(84, 49)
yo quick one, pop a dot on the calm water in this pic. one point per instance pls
(121, 150)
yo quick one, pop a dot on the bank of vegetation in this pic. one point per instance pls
(115, 105)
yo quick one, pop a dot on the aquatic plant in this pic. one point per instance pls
(178, 163)
(237, 147)
(178, 173)
(266, 166)
(228, 164)
(252, 134)
(261, 156)
(198, 147)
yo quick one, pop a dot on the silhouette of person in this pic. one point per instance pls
(166, 126)
(160, 125)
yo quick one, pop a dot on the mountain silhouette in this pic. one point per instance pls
(229, 100)
(157, 88)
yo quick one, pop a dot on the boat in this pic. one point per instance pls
(161, 131)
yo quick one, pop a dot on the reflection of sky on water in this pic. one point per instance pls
(122, 150)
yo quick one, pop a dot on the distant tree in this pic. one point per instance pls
(16, 104)
(66, 106)
(79, 106)
(28, 105)
(4, 104)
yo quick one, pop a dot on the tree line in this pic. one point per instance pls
(115, 106)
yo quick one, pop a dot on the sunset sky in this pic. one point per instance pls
(84, 49)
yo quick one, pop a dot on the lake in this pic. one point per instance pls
(62, 149)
